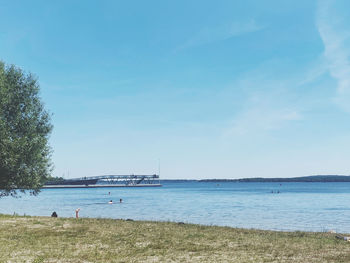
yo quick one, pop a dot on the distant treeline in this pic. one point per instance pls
(313, 178)
(178, 180)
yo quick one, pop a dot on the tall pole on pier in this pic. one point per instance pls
(159, 167)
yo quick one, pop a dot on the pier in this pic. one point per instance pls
(107, 181)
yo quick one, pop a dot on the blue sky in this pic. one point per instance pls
(214, 89)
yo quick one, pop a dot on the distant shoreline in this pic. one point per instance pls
(304, 179)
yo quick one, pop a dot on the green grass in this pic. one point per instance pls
(45, 239)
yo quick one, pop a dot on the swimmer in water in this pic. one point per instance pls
(121, 200)
(110, 202)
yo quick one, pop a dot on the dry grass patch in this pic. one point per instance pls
(44, 239)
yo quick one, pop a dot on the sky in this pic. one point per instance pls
(206, 89)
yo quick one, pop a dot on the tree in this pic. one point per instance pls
(25, 155)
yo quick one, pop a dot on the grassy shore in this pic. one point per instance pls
(45, 239)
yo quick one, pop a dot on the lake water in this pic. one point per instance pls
(298, 206)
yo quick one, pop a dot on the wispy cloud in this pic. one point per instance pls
(315, 70)
(221, 32)
(279, 104)
(263, 113)
(275, 98)
(336, 41)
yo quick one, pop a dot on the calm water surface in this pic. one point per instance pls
(298, 206)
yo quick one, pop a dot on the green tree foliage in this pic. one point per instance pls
(24, 132)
